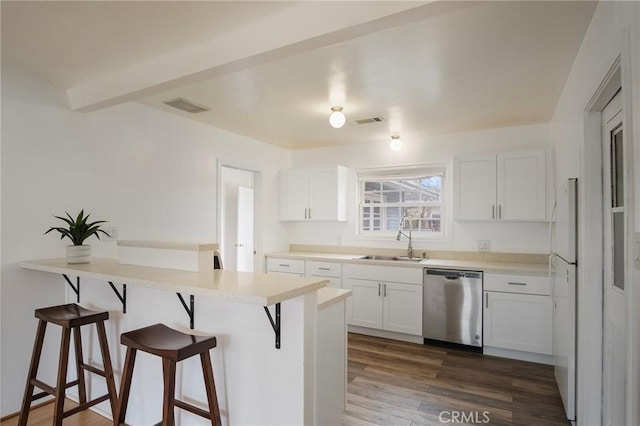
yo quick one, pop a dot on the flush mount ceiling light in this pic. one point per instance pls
(395, 143)
(337, 118)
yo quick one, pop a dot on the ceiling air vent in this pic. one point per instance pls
(369, 120)
(186, 105)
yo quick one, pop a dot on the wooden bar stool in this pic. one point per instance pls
(172, 346)
(69, 317)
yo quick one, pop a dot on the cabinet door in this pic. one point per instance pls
(402, 308)
(520, 322)
(475, 188)
(327, 186)
(522, 185)
(294, 191)
(364, 307)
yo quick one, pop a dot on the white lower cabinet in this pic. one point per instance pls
(518, 320)
(286, 266)
(384, 305)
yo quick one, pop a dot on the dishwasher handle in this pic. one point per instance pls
(451, 274)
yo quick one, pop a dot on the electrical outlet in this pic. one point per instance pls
(113, 231)
(484, 245)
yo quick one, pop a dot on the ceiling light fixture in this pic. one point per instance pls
(395, 143)
(337, 118)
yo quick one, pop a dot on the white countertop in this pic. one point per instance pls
(169, 245)
(329, 295)
(244, 287)
(480, 265)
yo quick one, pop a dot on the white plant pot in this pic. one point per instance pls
(79, 254)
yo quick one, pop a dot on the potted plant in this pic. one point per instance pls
(78, 230)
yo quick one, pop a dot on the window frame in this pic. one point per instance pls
(398, 173)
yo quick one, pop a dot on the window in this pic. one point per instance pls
(411, 196)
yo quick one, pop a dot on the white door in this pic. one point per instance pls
(244, 240)
(614, 379)
(521, 322)
(294, 194)
(323, 186)
(402, 308)
(521, 185)
(364, 307)
(475, 188)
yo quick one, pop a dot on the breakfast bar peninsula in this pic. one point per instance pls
(266, 325)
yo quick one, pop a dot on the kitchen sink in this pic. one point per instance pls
(392, 258)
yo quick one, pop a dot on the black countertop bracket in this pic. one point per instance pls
(190, 309)
(76, 288)
(122, 296)
(275, 324)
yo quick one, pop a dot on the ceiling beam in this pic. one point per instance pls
(290, 31)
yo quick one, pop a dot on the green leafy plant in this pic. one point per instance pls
(78, 229)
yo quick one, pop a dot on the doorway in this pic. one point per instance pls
(237, 218)
(615, 288)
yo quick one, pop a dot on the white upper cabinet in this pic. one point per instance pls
(317, 193)
(475, 187)
(505, 186)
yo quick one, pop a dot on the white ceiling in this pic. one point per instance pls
(431, 68)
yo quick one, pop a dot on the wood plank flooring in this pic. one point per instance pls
(43, 416)
(398, 383)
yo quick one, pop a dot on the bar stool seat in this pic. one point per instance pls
(69, 317)
(172, 346)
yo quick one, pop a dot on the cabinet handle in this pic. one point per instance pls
(283, 264)
(305, 214)
(499, 211)
(510, 283)
(486, 300)
(493, 211)
(325, 269)
(385, 289)
(309, 212)
(378, 289)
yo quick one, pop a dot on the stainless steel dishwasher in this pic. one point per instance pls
(452, 306)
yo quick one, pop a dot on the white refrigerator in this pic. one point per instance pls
(564, 262)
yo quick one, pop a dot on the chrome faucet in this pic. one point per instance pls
(400, 234)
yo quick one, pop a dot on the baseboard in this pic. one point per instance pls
(385, 334)
(33, 407)
(520, 355)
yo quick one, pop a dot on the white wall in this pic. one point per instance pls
(614, 24)
(149, 173)
(504, 237)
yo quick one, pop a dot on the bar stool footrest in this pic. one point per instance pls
(48, 389)
(192, 408)
(86, 405)
(92, 369)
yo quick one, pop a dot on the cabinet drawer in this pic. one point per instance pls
(324, 269)
(525, 284)
(285, 265)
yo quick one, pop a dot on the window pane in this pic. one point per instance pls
(408, 197)
(391, 197)
(431, 188)
(617, 171)
(618, 250)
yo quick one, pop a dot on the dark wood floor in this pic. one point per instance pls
(397, 383)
